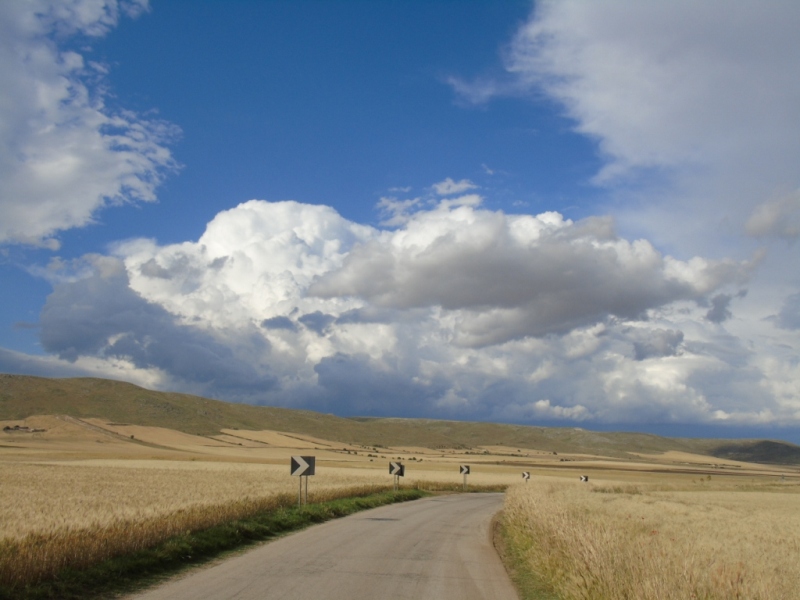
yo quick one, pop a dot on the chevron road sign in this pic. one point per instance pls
(526, 476)
(303, 466)
(397, 470)
(584, 478)
(464, 470)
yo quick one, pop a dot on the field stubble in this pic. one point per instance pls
(655, 543)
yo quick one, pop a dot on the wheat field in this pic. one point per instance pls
(79, 491)
(640, 542)
(42, 498)
(57, 516)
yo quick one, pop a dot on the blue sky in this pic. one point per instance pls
(550, 213)
(336, 103)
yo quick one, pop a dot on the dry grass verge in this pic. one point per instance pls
(635, 543)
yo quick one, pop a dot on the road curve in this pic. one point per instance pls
(435, 548)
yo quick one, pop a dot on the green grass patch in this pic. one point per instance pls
(513, 552)
(457, 488)
(135, 571)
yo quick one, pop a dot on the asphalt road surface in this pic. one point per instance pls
(435, 548)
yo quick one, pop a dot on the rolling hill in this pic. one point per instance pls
(22, 396)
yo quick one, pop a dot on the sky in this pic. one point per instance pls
(555, 213)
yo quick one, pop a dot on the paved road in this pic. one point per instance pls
(435, 548)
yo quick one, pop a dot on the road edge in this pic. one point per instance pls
(139, 570)
(528, 585)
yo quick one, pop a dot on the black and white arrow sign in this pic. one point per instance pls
(303, 465)
(464, 469)
(396, 468)
(526, 475)
(584, 478)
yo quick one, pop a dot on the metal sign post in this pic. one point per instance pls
(398, 470)
(302, 467)
(464, 470)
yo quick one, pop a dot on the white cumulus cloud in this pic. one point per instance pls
(461, 312)
(64, 153)
(448, 187)
(516, 276)
(449, 309)
(778, 218)
(698, 103)
(694, 108)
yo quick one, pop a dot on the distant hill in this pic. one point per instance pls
(760, 451)
(22, 396)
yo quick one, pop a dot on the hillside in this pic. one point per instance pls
(760, 451)
(22, 396)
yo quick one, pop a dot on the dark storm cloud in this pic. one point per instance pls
(41, 366)
(720, 306)
(366, 315)
(655, 343)
(512, 277)
(355, 384)
(279, 323)
(719, 311)
(317, 321)
(101, 316)
(152, 269)
(789, 317)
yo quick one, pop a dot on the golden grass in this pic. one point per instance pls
(639, 543)
(57, 516)
(61, 514)
(84, 490)
(41, 498)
